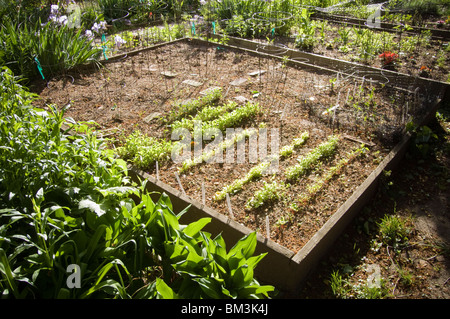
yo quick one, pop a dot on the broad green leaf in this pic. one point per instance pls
(193, 228)
(184, 211)
(242, 276)
(110, 287)
(254, 260)
(92, 206)
(5, 269)
(95, 240)
(255, 291)
(245, 245)
(210, 287)
(164, 291)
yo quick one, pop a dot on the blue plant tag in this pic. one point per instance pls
(39, 67)
(104, 46)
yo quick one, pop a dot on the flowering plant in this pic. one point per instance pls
(388, 57)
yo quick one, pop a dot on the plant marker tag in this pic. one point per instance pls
(214, 27)
(193, 28)
(273, 32)
(39, 67)
(104, 46)
(267, 227)
(230, 210)
(179, 183)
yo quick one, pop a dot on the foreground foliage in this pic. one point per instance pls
(65, 201)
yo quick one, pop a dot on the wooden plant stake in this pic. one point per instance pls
(157, 171)
(203, 194)
(230, 210)
(179, 183)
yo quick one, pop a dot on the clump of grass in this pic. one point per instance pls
(337, 284)
(394, 230)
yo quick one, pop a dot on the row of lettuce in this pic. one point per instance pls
(74, 225)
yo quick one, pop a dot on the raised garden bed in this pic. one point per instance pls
(143, 91)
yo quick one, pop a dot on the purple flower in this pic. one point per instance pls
(54, 9)
(119, 41)
(89, 34)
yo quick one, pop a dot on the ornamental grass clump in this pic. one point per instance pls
(34, 50)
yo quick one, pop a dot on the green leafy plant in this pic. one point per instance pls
(268, 193)
(207, 155)
(253, 174)
(322, 151)
(206, 114)
(305, 38)
(394, 231)
(233, 118)
(143, 150)
(287, 150)
(315, 188)
(182, 109)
